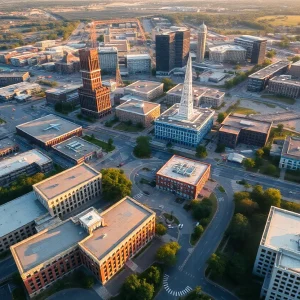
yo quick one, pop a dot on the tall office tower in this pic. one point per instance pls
(256, 47)
(94, 98)
(172, 50)
(201, 43)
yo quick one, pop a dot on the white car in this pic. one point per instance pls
(161, 206)
(180, 226)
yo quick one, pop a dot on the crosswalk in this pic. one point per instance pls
(138, 196)
(175, 293)
(216, 172)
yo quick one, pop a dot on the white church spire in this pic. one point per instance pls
(186, 110)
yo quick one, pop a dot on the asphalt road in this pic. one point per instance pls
(7, 268)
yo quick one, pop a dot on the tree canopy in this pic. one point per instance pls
(167, 253)
(201, 151)
(142, 148)
(160, 229)
(217, 264)
(249, 163)
(168, 84)
(115, 184)
(221, 117)
(239, 227)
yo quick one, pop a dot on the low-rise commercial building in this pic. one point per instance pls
(138, 63)
(27, 163)
(123, 46)
(65, 94)
(18, 220)
(260, 79)
(78, 150)
(8, 78)
(290, 154)
(102, 242)
(295, 69)
(227, 53)
(108, 59)
(147, 90)
(285, 86)
(182, 176)
(48, 131)
(22, 88)
(236, 129)
(139, 112)
(278, 256)
(8, 146)
(45, 44)
(68, 190)
(202, 96)
(68, 64)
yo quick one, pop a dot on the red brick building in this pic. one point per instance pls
(94, 98)
(102, 242)
(182, 176)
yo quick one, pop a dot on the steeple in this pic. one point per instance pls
(186, 110)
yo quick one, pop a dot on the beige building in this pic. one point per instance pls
(68, 190)
(139, 112)
(285, 86)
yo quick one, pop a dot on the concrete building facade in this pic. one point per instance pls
(108, 59)
(64, 192)
(182, 176)
(18, 89)
(66, 94)
(138, 63)
(7, 147)
(139, 112)
(295, 69)
(102, 242)
(201, 46)
(284, 86)
(8, 78)
(48, 131)
(236, 129)
(227, 53)
(278, 259)
(290, 154)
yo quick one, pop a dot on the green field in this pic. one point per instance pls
(288, 20)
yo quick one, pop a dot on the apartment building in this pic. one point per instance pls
(108, 59)
(102, 242)
(138, 63)
(147, 90)
(183, 177)
(236, 129)
(18, 219)
(260, 79)
(290, 154)
(64, 192)
(278, 258)
(8, 78)
(48, 131)
(65, 94)
(26, 163)
(139, 112)
(285, 86)
(227, 53)
(7, 147)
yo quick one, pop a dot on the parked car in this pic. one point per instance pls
(180, 226)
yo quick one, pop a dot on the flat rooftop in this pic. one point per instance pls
(137, 56)
(66, 180)
(7, 143)
(234, 124)
(251, 38)
(281, 230)
(48, 128)
(201, 115)
(285, 81)
(22, 160)
(18, 87)
(19, 212)
(121, 219)
(177, 90)
(270, 70)
(225, 48)
(138, 107)
(183, 169)
(13, 74)
(47, 244)
(64, 89)
(76, 147)
(107, 50)
(142, 86)
(291, 147)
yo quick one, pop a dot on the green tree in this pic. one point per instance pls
(259, 153)
(221, 117)
(239, 196)
(202, 210)
(280, 128)
(249, 163)
(115, 184)
(237, 267)
(142, 148)
(100, 38)
(257, 193)
(217, 265)
(220, 148)
(201, 151)
(271, 197)
(110, 143)
(271, 170)
(152, 275)
(145, 291)
(160, 229)
(168, 84)
(167, 253)
(246, 207)
(239, 228)
(295, 58)
(271, 53)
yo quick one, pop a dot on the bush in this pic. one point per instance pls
(88, 282)
(160, 229)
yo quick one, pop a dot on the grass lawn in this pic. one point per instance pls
(170, 218)
(111, 122)
(129, 128)
(292, 175)
(236, 108)
(275, 134)
(289, 20)
(2, 121)
(283, 99)
(105, 146)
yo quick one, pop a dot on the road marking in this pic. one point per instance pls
(220, 199)
(138, 196)
(175, 293)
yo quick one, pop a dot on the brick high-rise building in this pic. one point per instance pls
(93, 96)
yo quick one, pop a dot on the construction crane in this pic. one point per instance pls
(119, 81)
(93, 35)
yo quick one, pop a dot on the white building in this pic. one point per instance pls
(227, 53)
(138, 63)
(201, 43)
(278, 256)
(108, 59)
(290, 155)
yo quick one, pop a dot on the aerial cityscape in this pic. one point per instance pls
(150, 150)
